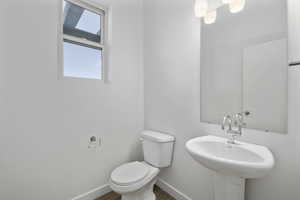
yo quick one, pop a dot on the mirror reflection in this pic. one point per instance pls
(238, 52)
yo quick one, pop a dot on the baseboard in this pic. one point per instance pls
(94, 193)
(102, 190)
(172, 190)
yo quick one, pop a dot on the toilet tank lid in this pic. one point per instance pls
(157, 136)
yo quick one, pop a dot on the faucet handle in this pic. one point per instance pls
(239, 119)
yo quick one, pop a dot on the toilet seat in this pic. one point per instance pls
(129, 173)
(134, 182)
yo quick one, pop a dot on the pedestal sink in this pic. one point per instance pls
(231, 163)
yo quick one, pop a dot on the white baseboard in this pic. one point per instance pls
(94, 193)
(171, 190)
(102, 190)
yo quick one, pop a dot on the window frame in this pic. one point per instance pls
(103, 45)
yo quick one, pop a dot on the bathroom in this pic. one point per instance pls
(61, 137)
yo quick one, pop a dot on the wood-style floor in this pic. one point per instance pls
(160, 194)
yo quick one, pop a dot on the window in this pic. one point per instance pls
(83, 40)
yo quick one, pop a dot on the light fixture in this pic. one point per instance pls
(207, 9)
(201, 8)
(210, 17)
(236, 6)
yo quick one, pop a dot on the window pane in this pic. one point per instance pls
(82, 62)
(89, 22)
(81, 23)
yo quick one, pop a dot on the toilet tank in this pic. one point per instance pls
(157, 148)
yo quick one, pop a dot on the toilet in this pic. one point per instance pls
(135, 180)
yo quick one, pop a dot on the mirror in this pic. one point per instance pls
(244, 65)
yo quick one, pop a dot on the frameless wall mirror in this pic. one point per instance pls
(244, 65)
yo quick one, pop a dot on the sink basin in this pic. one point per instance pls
(242, 160)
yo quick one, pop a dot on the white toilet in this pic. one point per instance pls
(135, 180)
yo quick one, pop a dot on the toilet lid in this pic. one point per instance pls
(129, 173)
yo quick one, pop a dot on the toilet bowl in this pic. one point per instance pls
(135, 180)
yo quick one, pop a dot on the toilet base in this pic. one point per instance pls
(145, 193)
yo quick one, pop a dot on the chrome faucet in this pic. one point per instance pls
(227, 120)
(237, 121)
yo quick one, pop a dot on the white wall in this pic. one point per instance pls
(172, 104)
(46, 122)
(294, 28)
(172, 87)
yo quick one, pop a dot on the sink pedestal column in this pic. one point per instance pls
(228, 187)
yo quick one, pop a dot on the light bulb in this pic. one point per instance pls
(210, 17)
(237, 5)
(201, 7)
